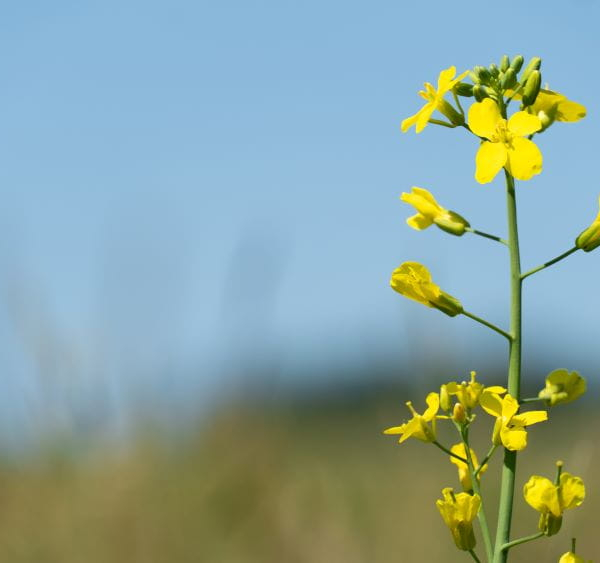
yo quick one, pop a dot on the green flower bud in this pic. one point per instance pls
(517, 63)
(483, 74)
(473, 77)
(480, 92)
(504, 63)
(589, 239)
(452, 223)
(532, 88)
(448, 304)
(509, 80)
(464, 89)
(459, 414)
(534, 64)
(494, 70)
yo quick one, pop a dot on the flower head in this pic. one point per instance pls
(420, 426)
(458, 512)
(429, 211)
(509, 429)
(464, 473)
(551, 499)
(413, 280)
(506, 145)
(562, 386)
(590, 238)
(434, 100)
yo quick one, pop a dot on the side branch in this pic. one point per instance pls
(514, 543)
(488, 324)
(487, 235)
(550, 262)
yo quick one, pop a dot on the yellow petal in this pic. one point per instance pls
(510, 406)
(419, 222)
(572, 491)
(395, 430)
(529, 418)
(542, 495)
(490, 159)
(570, 111)
(484, 117)
(524, 159)
(495, 389)
(409, 122)
(445, 78)
(491, 403)
(424, 115)
(523, 124)
(514, 439)
(433, 406)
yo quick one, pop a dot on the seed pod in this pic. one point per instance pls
(532, 88)
(504, 63)
(517, 63)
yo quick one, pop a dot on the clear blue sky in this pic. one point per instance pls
(191, 187)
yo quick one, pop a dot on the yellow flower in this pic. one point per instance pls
(464, 474)
(590, 238)
(552, 500)
(509, 429)
(570, 557)
(413, 280)
(420, 426)
(429, 211)
(562, 387)
(435, 100)
(551, 106)
(506, 145)
(468, 394)
(458, 512)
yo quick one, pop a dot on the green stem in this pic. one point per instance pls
(446, 450)
(486, 459)
(486, 235)
(509, 468)
(458, 104)
(485, 530)
(513, 543)
(531, 400)
(550, 262)
(474, 556)
(488, 324)
(442, 123)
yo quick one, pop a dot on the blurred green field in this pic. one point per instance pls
(274, 485)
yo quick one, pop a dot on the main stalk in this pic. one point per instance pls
(514, 373)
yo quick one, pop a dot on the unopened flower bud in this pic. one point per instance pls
(509, 80)
(532, 88)
(494, 71)
(483, 74)
(517, 63)
(464, 89)
(459, 414)
(534, 64)
(589, 239)
(480, 92)
(504, 63)
(445, 401)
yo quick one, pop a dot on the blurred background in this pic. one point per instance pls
(199, 347)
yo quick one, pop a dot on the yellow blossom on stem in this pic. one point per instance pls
(464, 473)
(435, 100)
(562, 386)
(413, 280)
(505, 144)
(570, 557)
(552, 106)
(509, 429)
(551, 499)
(468, 394)
(429, 211)
(420, 426)
(458, 512)
(590, 238)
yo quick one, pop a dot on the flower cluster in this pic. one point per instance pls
(504, 142)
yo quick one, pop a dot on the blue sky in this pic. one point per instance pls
(191, 187)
